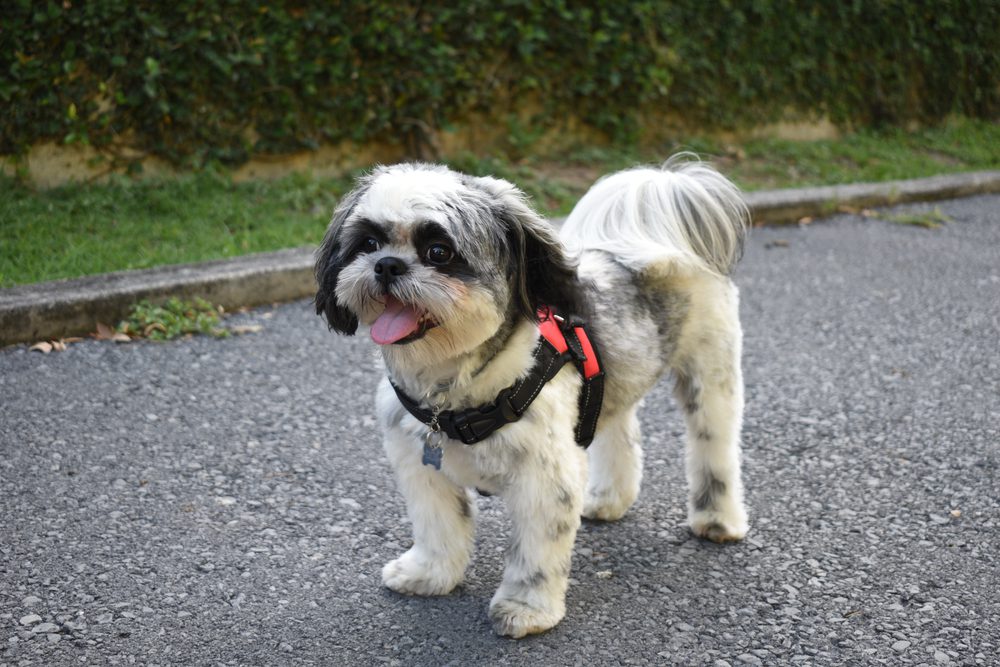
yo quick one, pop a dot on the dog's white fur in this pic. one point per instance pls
(653, 249)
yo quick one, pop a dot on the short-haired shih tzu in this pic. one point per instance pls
(509, 345)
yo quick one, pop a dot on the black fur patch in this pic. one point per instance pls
(711, 488)
(427, 234)
(330, 260)
(464, 506)
(564, 497)
(535, 580)
(560, 530)
(339, 318)
(688, 392)
(353, 241)
(540, 271)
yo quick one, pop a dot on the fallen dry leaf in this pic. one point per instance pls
(956, 513)
(241, 329)
(806, 220)
(47, 346)
(155, 326)
(104, 332)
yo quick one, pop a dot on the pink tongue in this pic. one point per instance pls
(396, 322)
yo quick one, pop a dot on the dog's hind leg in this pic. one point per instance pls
(709, 389)
(615, 466)
(443, 518)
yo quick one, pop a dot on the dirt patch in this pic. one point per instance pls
(572, 176)
(50, 164)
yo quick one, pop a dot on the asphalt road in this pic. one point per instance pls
(227, 502)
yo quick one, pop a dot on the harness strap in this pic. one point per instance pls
(560, 343)
(589, 365)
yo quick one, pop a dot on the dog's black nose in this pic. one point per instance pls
(388, 269)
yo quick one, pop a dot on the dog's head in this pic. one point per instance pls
(438, 261)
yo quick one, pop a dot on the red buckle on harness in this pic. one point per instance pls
(549, 326)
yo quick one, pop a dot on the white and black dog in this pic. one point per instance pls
(450, 272)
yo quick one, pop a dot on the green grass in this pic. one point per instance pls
(958, 146)
(172, 319)
(84, 229)
(555, 182)
(78, 230)
(931, 219)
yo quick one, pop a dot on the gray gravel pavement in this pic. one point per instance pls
(226, 502)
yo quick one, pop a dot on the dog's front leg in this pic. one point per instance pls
(443, 518)
(544, 501)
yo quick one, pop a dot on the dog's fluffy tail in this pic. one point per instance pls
(684, 210)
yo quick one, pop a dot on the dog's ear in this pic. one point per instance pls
(329, 262)
(538, 268)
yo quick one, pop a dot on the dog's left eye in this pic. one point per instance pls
(370, 244)
(439, 254)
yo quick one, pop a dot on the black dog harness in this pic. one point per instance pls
(561, 341)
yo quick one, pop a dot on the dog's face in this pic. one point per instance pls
(436, 262)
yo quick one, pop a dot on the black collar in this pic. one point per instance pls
(475, 424)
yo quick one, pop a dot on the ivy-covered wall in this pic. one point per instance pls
(197, 80)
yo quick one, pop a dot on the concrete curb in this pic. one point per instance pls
(783, 206)
(51, 310)
(61, 308)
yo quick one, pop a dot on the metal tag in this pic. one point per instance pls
(432, 449)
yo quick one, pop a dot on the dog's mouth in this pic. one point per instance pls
(400, 323)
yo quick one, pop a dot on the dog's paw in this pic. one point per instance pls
(412, 574)
(514, 618)
(607, 504)
(718, 528)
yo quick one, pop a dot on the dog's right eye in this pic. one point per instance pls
(370, 244)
